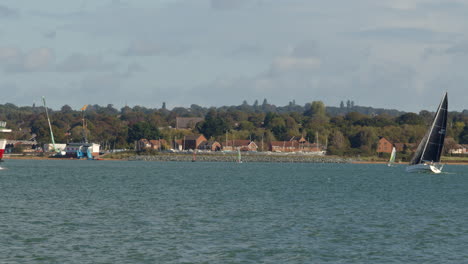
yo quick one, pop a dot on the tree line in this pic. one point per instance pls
(347, 129)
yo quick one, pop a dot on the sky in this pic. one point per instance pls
(396, 54)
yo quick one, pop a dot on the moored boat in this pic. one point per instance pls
(3, 129)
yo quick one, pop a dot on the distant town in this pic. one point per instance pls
(344, 130)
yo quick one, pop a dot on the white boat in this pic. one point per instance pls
(392, 157)
(427, 156)
(3, 141)
(2, 147)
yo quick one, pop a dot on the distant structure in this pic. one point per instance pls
(81, 150)
(193, 141)
(187, 122)
(240, 144)
(157, 144)
(384, 146)
(210, 145)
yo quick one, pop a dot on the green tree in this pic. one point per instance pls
(213, 125)
(338, 143)
(142, 130)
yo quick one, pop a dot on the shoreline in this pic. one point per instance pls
(230, 158)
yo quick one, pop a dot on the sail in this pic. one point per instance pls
(430, 147)
(392, 157)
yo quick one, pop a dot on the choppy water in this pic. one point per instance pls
(150, 212)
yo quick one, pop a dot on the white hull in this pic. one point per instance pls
(424, 167)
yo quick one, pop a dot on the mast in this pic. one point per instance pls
(430, 147)
(317, 140)
(50, 126)
(84, 123)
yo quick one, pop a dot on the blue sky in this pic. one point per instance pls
(400, 54)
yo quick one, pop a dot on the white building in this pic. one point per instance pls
(78, 150)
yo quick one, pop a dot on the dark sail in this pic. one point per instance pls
(430, 148)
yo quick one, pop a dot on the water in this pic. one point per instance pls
(151, 212)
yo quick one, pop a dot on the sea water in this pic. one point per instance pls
(151, 212)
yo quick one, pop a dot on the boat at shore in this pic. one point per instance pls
(3, 129)
(427, 156)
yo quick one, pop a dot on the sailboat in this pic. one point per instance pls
(392, 157)
(239, 160)
(427, 156)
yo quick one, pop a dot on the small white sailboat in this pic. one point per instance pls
(239, 158)
(427, 156)
(391, 161)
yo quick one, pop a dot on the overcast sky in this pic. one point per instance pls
(401, 54)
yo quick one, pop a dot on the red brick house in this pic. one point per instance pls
(384, 146)
(243, 145)
(192, 142)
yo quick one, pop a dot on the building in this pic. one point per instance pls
(187, 122)
(143, 144)
(210, 145)
(192, 141)
(158, 144)
(81, 150)
(177, 144)
(26, 146)
(384, 146)
(243, 145)
(284, 146)
(295, 146)
(459, 149)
